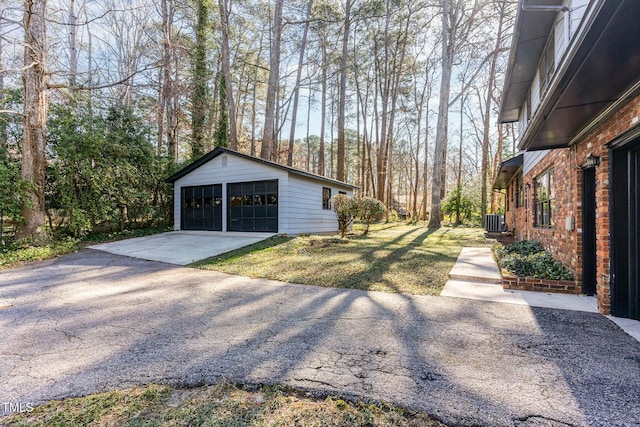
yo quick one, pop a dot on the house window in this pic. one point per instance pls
(326, 198)
(547, 64)
(520, 193)
(543, 203)
(342, 192)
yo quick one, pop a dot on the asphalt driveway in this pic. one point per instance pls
(91, 321)
(182, 247)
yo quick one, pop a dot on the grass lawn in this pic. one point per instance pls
(391, 258)
(16, 253)
(217, 405)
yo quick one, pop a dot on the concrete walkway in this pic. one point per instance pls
(475, 275)
(182, 247)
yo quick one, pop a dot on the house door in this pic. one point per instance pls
(589, 231)
(625, 242)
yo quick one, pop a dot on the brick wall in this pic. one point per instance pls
(559, 241)
(596, 143)
(566, 245)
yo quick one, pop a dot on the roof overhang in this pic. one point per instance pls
(222, 150)
(530, 35)
(508, 169)
(599, 75)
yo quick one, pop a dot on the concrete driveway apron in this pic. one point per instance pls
(182, 247)
(92, 321)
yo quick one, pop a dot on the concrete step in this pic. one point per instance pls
(475, 279)
(476, 265)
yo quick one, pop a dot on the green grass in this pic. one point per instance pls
(221, 404)
(391, 258)
(16, 253)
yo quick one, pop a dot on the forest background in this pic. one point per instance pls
(101, 100)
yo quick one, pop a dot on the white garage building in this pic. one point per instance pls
(226, 190)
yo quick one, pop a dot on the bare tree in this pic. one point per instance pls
(296, 89)
(501, 7)
(342, 96)
(268, 134)
(458, 20)
(36, 105)
(224, 7)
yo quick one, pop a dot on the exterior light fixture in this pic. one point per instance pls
(592, 161)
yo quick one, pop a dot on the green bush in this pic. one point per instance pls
(369, 210)
(524, 248)
(529, 259)
(346, 209)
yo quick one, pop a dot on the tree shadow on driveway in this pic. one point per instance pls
(76, 331)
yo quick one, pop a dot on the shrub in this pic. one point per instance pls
(346, 209)
(529, 259)
(524, 248)
(369, 210)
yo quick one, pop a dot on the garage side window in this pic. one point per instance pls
(326, 198)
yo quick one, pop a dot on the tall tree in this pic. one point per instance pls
(73, 50)
(458, 21)
(342, 96)
(36, 105)
(296, 89)
(500, 10)
(200, 76)
(268, 134)
(224, 7)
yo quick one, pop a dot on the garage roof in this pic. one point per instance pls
(222, 150)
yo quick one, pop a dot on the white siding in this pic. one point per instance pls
(237, 169)
(561, 37)
(299, 198)
(305, 213)
(535, 93)
(576, 13)
(532, 158)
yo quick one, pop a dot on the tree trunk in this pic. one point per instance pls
(443, 117)
(459, 177)
(73, 51)
(36, 105)
(226, 71)
(340, 170)
(268, 134)
(323, 109)
(296, 89)
(487, 115)
(200, 76)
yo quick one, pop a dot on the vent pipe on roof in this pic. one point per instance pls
(541, 8)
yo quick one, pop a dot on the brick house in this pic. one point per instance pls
(573, 88)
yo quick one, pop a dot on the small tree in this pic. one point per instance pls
(346, 209)
(369, 210)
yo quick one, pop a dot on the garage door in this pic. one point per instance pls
(253, 206)
(202, 208)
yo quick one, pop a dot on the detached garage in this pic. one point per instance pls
(230, 191)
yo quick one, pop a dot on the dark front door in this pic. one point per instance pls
(253, 206)
(202, 208)
(589, 231)
(625, 242)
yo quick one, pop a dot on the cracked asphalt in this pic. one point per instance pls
(93, 321)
